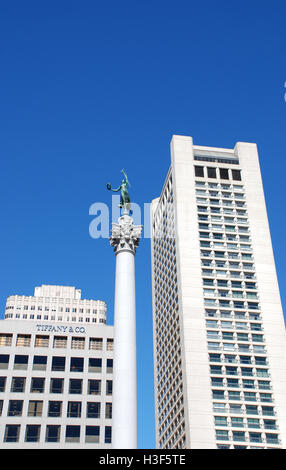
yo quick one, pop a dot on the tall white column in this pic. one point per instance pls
(125, 239)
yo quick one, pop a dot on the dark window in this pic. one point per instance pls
(40, 363)
(108, 410)
(76, 364)
(109, 365)
(12, 433)
(56, 385)
(55, 409)
(15, 408)
(199, 171)
(107, 435)
(53, 433)
(94, 387)
(32, 433)
(21, 362)
(4, 360)
(92, 434)
(58, 363)
(75, 386)
(236, 175)
(72, 433)
(223, 173)
(2, 384)
(93, 410)
(74, 409)
(37, 384)
(211, 172)
(109, 387)
(94, 365)
(18, 384)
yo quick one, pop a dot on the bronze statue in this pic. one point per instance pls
(125, 202)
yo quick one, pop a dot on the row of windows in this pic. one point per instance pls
(239, 396)
(240, 347)
(76, 364)
(55, 409)
(235, 408)
(213, 313)
(212, 158)
(53, 433)
(243, 422)
(242, 383)
(220, 195)
(24, 316)
(43, 341)
(221, 173)
(60, 309)
(219, 211)
(220, 202)
(37, 385)
(230, 336)
(250, 437)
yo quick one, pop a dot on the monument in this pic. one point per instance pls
(124, 239)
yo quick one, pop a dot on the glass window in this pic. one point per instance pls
(236, 175)
(37, 385)
(4, 360)
(32, 433)
(58, 363)
(35, 408)
(12, 432)
(75, 386)
(18, 384)
(56, 385)
(52, 433)
(76, 364)
(222, 435)
(253, 423)
(40, 363)
(108, 410)
(109, 387)
(220, 421)
(237, 422)
(109, 366)
(15, 408)
(93, 410)
(74, 409)
(94, 364)
(60, 342)
(94, 387)
(211, 172)
(92, 434)
(21, 362)
(238, 435)
(55, 409)
(72, 434)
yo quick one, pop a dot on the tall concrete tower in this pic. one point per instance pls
(219, 333)
(125, 239)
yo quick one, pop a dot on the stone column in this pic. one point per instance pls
(125, 239)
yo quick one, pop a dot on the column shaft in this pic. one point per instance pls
(124, 412)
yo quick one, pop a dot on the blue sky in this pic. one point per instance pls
(89, 87)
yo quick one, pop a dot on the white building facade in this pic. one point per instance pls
(56, 369)
(219, 332)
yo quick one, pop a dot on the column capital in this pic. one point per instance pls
(125, 235)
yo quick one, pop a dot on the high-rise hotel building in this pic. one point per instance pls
(219, 333)
(56, 368)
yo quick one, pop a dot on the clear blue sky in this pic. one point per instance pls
(89, 87)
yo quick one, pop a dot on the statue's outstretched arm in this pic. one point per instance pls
(125, 176)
